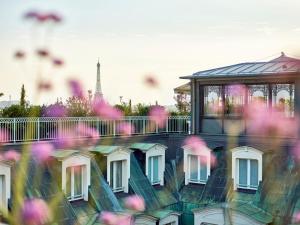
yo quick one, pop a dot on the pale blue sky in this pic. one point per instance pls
(136, 37)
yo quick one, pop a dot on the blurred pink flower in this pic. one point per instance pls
(151, 81)
(106, 111)
(54, 17)
(269, 122)
(195, 143)
(84, 130)
(108, 218)
(42, 151)
(35, 212)
(76, 88)
(135, 202)
(31, 15)
(65, 139)
(159, 115)
(237, 89)
(57, 62)
(12, 155)
(43, 53)
(44, 86)
(125, 128)
(19, 54)
(3, 135)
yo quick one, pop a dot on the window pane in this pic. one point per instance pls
(194, 167)
(234, 99)
(254, 173)
(112, 174)
(243, 172)
(283, 98)
(203, 168)
(68, 182)
(77, 181)
(258, 93)
(149, 168)
(155, 169)
(213, 100)
(119, 174)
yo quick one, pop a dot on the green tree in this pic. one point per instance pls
(183, 104)
(22, 99)
(1, 94)
(14, 111)
(141, 109)
(77, 106)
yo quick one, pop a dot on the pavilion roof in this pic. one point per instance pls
(280, 65)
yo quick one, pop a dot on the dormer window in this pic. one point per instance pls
(74, 185)
(196, 165)
(154, 155)
(76, 173)
(246, 167)
(5, 184)
(116, 175)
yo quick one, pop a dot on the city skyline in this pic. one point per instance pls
(168, 39)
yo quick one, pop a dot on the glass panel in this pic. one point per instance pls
(194, 168)
(234, 99)
(254, 173)
(68, 181)
(149, 168)
(119, 174)
(155, 169)
(258, 93)
(243, 172)
(203, 168)
(77, 181)
(283, 98)
(213, 100)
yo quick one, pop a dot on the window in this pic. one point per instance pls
(234, 99)
(2, 191)
(198, 169)
(153, 169)
(116, 177)
(74, 182)
(283, 98)
(213, 101)
(248, 173)
(258, 93)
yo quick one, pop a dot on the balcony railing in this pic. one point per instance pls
(49, 128)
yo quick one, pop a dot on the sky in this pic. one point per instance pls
(133, 38)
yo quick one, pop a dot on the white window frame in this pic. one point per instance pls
(73, 161)
(205, 152)
(248, 175)
(72, 188)
(199, 164)
(5, 171)
(151, 161)
(248, 153)
(114, 176)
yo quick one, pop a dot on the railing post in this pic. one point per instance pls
(156, 128)
(38, 129)
(114, 128)
(14, 133)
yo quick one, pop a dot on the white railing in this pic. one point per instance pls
(49, 128)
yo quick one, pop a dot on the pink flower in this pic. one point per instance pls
(151, 81)
(19, 54)
(86, 131)
(135, 202)
(43, 53)
(195, 143)
(125, 128)
(65, 139)
(159, 115)
(105, 111)
(12, 155)
(76, 88)
(269, 122)
(109, 218)
(3, 135)
(35, 212)
(54, 17)
(42, 151)
(237, 90)
(31, 15)
(56, 110)
(57, 62)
